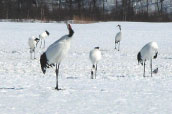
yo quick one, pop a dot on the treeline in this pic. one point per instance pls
(88, 10)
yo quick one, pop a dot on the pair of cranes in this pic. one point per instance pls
(33, 42)
(95, 54)
(148, 52)
(59, 49)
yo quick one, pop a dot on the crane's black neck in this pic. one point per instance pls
(120, 28)
(47, 32)
(71, 32)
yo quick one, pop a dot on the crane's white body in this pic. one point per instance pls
(118, 37)
(149, 51)
(32, 43)
(43, 35)
(95, 56)
(58, 50)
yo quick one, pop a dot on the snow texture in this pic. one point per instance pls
(120, 87)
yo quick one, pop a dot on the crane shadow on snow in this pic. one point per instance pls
(11, 88)
(167, 57)
(119, 76)
(70, 77)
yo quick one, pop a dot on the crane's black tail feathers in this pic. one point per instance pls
(155, 55)
(139, 58)
(43, 61)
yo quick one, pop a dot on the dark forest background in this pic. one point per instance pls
(86, 10)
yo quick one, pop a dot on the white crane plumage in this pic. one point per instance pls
(42, 37)
(56, 52)
(148, 52)
(118, 37)
(95, 56)
(33, 41)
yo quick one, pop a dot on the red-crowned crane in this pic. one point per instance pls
(148, 52)
(33, 41)
(56, 53)
(95, 56)
(42, 37)
(118, 37)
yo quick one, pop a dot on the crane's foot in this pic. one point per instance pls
(58, 89)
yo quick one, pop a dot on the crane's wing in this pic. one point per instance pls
(118, 37)
(56, 51)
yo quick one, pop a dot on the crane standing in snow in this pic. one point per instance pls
(148, 52)
(42, 37)
(118, 37)
(33, 44)
(95, 57)
(56, 52)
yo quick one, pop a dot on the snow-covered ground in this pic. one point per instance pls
(119, 88)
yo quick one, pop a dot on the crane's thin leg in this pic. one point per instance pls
(57, 73)
(115, 45)
(41, 43)
(36, 44)
(95, 71)
(151, 67)
(30, 54)
(92, 72)
(44, 43)
(144, 70)
(118, 46)
(34, 53)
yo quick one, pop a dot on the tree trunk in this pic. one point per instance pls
(161, 7)
(158, 7)
(147, 6)
(79, 7)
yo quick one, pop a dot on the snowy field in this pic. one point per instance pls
(120, 87)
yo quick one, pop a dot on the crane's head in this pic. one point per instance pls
(47, 33)
(139, 58)
(71, 32)
(119, 27)
(97, 48)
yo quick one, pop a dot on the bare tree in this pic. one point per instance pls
(124, 9)
(161, 1)
(147, 6)
(157, 3)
